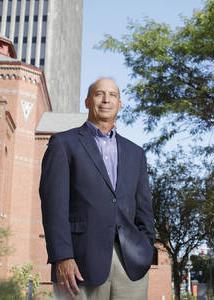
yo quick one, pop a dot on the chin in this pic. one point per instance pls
(105, 115)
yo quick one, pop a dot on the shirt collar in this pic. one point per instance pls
(97, 132)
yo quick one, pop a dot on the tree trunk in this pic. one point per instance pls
(177, 279)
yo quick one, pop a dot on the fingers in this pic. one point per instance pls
(73, 292)
(68, 285)
(78, 274)
(67, 272)
(72, 279)
(73, 284)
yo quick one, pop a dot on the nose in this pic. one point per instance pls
(105, 98)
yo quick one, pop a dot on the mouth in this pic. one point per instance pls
(105, 108)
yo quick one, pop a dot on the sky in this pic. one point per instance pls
(111, 17)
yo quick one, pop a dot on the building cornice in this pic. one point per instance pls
(44, 133)
(14, 65)
(29, 73)
(43, 136)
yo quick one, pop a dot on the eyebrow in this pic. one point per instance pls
(111, 91)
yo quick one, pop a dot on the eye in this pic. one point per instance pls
(98, 93)
(112, 94)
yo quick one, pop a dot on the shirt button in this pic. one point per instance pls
(114, 200)
(104, 142)
(106, 157)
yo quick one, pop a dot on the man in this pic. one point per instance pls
(96, 206)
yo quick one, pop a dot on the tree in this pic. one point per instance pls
(10, 290)
(16, 286)
(172, 73)
(21, 276)
(4, 235)
(208, 209)
(200, 267)
(178, 197)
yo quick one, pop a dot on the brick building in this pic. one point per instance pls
(26, 122)
(32, 26)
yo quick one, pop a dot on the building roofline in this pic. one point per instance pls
(30, 69)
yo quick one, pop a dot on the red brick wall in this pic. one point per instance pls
(160, 277)
(20, 166)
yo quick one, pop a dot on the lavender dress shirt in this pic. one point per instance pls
(107, 146)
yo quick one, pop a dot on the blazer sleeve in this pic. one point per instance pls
(54, 192)
(144, 217)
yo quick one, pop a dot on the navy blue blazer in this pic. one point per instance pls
(82, 212)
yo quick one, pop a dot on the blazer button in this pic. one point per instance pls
(114, 200)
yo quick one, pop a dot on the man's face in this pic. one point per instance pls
(104, 101)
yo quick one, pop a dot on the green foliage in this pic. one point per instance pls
(172, 73)
(9, 290)
(196, 37)
(21, 276)
(4, 235)
(200, 264)
(15, 288)
(43, 295)
(188, 297)
(179, 198)
(208, 208)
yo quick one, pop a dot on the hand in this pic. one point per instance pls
(66, 272)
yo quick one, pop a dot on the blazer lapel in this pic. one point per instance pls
(90, 146)
(121, 161)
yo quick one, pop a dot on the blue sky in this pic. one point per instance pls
(111, 17)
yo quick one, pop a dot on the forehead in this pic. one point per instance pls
(105, 84)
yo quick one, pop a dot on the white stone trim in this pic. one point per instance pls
(26, 108)
(18, 92)
(21, 29)
(13, 20)
(27, 160)
(25, 132)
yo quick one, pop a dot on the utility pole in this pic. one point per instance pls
(189, 267)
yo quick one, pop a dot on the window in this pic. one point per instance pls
(42, 62)
(155, 257)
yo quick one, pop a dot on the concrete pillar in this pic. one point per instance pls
(21, 29)
(49, 38)
(39, 33)
(13, 20)
(4, 17)
(62, 64)
(30, 32)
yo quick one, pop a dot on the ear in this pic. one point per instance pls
(120, 104)
(87, 104)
